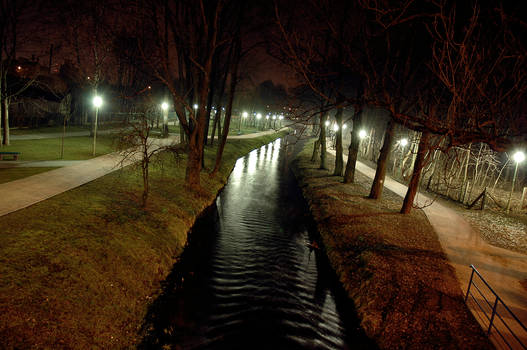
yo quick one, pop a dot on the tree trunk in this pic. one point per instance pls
(461, 190)
(380, 174)
(316, 147)
(339, 161)
(323, 146)
(228, 113)
(5, 121)
(416, 173)
(353, 150)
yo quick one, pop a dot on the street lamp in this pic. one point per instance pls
(518, 158)
(97, 102)
(326, 123)
(244, 115)
(164, 107)
(362, 134)
(403, 143)
(344, 126)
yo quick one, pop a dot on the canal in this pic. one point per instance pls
(249, 277)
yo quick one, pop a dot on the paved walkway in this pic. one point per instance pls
(503, 269)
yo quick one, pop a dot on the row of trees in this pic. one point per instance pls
(454, 73)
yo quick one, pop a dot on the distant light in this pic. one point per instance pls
(258, 116)
(88, 78)
(195, 106)
(274, 117)
(281, 117)
(519, 157)
(19, 67)
(97, 101)
(245, 114)
(327, 123)
(403, 142)
(362, 134)
(164, 106)
(222, 108)
(344, 126)
(149, 87)
(335, 127)
(267, 117)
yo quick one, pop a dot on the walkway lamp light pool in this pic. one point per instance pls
(362, 134)
(518, 158)
(97, 103)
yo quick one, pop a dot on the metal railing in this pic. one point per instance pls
(498, 312)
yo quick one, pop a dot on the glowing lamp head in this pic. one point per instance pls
(164, 106)
(281, 117)
(404, 142)
(326, 123)
(195, 106)
(519, 157)
(344, 126)
(97, 101)
(259, 116)
(267, 117)
(362, 134)
(274, 117)
(335, 127)
(245, 114)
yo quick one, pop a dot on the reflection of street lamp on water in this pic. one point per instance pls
(518, 158)
(97, 102)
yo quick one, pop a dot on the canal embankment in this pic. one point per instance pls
(391, 265)
(79, 270)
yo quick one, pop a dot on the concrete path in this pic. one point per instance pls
(503, 269)
(38, 164)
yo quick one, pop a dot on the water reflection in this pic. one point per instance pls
(250, 280)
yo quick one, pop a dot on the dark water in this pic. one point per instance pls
(248, 279)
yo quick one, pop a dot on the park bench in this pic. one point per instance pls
(14, 154)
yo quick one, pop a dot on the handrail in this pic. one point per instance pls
(494, 306)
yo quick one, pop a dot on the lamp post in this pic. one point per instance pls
(164, 108)
(403, 143)
(518, 158)
(244, 115)
(258, 117)
(97, 102)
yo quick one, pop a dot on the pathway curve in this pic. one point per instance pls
(24, 192)
(503, 269)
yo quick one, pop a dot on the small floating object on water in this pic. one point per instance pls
(313, 245)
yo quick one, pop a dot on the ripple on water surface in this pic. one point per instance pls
(252, 281)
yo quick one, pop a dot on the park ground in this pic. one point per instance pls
(79, 270)
(392, 266)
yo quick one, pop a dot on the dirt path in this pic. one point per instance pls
(503, 269)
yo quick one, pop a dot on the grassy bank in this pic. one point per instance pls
(75, 148)
(80, 269)
(391, 265)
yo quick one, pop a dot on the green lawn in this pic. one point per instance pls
(79, 270)
(75, 148)
(12, 174)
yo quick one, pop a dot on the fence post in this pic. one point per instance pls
(493, 314)
(469, 283)
(524, 194)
